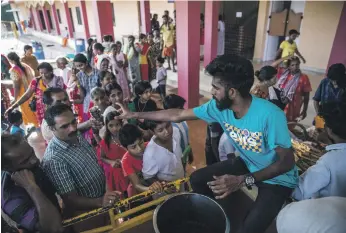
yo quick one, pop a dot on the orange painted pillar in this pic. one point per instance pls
(188, 36)
(145, 16)
(103, 18)
(56, 20)
(85, 19)
(68, 19)
(45, 16)
(211, 30)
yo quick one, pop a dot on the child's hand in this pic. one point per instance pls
(156, 187)
(117, 163)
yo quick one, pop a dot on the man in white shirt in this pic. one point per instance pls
(162, 156)
(322, 215)
(328, 176)
(62, 70)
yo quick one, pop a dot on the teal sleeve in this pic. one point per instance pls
(277, 132)
(207, 112)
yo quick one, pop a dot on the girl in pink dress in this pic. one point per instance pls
(119, 64)
(111, 153)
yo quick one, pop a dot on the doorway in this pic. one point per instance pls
(71, 17)
(44, 27)
(50, 19)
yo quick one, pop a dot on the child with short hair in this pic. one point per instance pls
(101, 102)
(162, 157)
(15, 118)
(131, 138)
(106, 77)
(289, 46)
(161, 76)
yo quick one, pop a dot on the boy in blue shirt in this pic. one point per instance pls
(258, 131)
(16, 119)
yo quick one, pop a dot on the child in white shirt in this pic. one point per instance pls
(161, 76)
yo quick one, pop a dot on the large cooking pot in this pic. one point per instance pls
(190, 213)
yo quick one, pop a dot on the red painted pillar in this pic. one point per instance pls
(211, 31)
(338, 55)
(69, 21)
(85, 19)
(39, 19)
(55, 15)
(188, 32)
(32, 18)
(145, 16)
(103, 18)
(45, 16)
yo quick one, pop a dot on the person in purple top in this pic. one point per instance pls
(27, 196)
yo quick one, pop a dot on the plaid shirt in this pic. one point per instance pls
(88, 82)
(327, 93)
(74, 168)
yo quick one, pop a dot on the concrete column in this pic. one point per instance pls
(338, 54)
(55, 15)
(39, 19)
(261, 30)
(145, 16)
(85, 19)
(68, 19)
(103, 18)
(211, 30)
(188, 33)
(33, 18)
(45, 16)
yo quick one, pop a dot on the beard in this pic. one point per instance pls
(224, 103)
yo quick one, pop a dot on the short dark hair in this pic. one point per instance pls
(293, 31)
(80, 57)
(336, 71)
(15, 116)
(27, 47)
(141, 86)
(152, 124)
(103, 73)
(47, 94)
(128, 135)
(160, 59)
(266, 73)
(112, 86)
(97, 91)
(8, 141)
(99, 46)
(334, 114)
(173, 101)
(234, 71)
(54, 111)
(132, 37)
(45, 65)
(142, 36)
(106, 38)
(292, 59)
(90, 40)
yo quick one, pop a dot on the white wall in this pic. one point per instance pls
(298, 7)
(90, 14)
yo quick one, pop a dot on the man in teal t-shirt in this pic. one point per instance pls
(256, 128)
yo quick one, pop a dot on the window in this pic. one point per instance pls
(58, 13)
(79, 17)
(113, 14)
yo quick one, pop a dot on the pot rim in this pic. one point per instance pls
(227, 227)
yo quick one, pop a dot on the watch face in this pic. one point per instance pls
(249, 180)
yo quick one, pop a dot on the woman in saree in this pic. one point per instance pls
(295, 90)
(119, 63)
(22, 75)
(143, 49)
(133, 59)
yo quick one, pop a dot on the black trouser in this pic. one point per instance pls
(162, 90)
(268, 203)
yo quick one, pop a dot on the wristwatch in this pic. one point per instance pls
(249, 181)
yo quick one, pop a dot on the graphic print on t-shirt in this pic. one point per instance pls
(251, 141)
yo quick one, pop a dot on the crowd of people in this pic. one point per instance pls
(108, 138)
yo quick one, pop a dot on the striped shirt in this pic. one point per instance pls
(88, 82)
(74, 168)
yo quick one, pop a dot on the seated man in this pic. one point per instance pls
(162, 157)
(328, 176)
(131, 137)
(71, 164)
(322, 215)
(27, 196)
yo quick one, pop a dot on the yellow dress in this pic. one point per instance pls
(29, 117)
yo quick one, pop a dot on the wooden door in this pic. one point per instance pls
(294, 21)
(277, 23)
